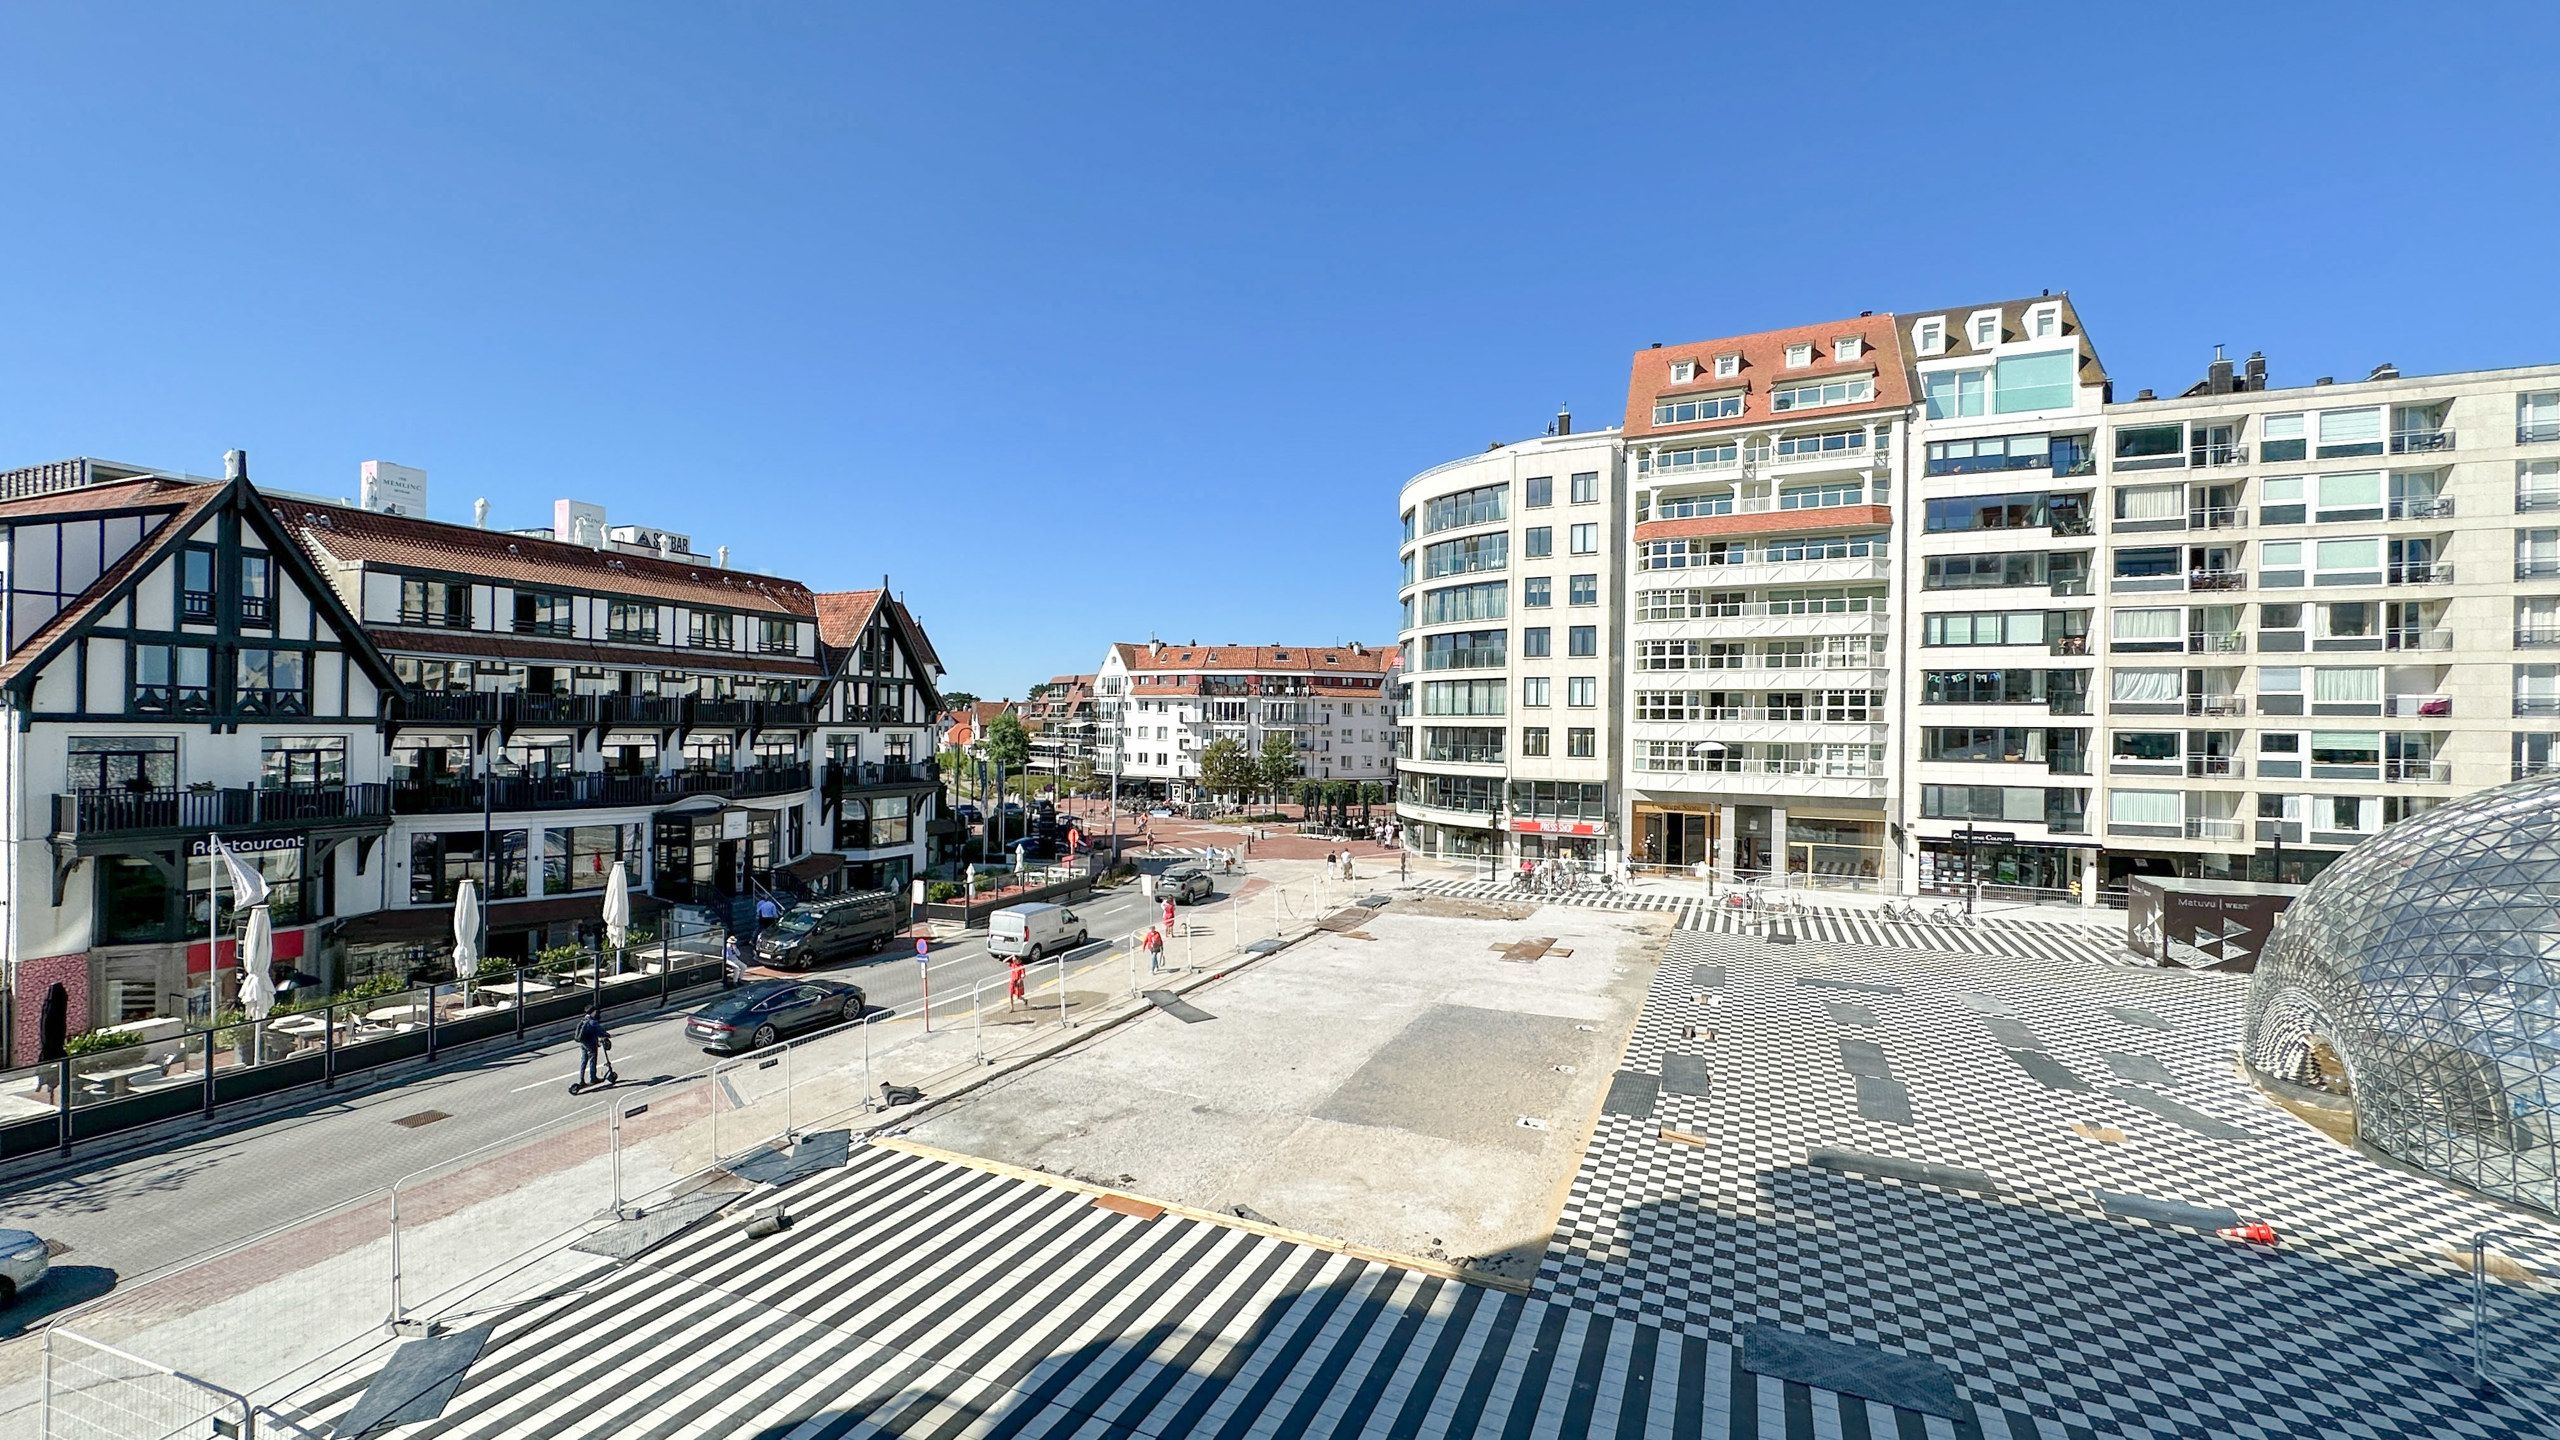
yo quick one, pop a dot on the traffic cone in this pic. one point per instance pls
(2256, 1232)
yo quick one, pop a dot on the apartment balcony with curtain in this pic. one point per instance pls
(2421, 705)
(2421, 507)
(2438, 572)
(2428, 441)
(2418, 771)
(2217, 517)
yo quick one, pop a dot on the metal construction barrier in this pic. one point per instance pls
(2515, 1318)
(94, 1391)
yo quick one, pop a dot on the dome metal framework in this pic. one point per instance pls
(2420, 975)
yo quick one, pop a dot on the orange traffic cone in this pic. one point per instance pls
(2257, 1232)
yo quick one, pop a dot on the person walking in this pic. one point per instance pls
(595, 1062)
(1168, 914)
(1154, 943)
(767, 912)
(1013, 973)
(733, 970)
(1346, 867)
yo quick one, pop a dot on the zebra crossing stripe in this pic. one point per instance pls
(2048, 942)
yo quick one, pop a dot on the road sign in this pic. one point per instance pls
(924, 947)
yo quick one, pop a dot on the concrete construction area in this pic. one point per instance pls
(1440, 1165)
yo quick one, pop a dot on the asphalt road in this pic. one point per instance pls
(141, 1213)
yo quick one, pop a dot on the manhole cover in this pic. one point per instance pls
(1531, 1122)
(423, 1117)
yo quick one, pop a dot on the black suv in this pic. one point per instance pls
(826, 930)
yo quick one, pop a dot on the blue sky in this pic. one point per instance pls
(1090, 322)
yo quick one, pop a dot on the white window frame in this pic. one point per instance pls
(1683, 371)
(1799, 356)
(1929, 337)
(1847, 347)
(2044, 322)
(1728, 366)
(1983, 329)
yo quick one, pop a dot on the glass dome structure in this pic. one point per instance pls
(2420, 977)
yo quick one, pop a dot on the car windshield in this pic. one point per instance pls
(798, 922)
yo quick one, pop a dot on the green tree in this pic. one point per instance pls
(1007, 743)
(1371, 793)
(1279, 764)
(1079, 778)
(1226, 770)
(958, 699)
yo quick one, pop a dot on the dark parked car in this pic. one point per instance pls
(968, 814)
(752, 1017)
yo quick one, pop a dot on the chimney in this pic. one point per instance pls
(2326, 380)
(1564, 419)
(2254, 372)
(2217, 376)
(480, 512)
(235, 464)
(2384, 371)
(2144, 394)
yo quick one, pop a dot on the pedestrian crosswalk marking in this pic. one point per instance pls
(916, 1297)
(2050, 941)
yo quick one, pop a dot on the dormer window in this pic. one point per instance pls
(1986, 329)
(2044, 322)
(1799, 356)
(1847, 347)
(1930, 336)
(1683, 371)
(1728, 366)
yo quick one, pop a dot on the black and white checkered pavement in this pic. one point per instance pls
(1588, 897)
(2053, 941)
(915, 1297)
(1833, 1072)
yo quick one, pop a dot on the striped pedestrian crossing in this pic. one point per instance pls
(1587, 898)
(918, 1297)
(2051, 941)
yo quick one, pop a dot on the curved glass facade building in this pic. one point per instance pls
(2420, 976)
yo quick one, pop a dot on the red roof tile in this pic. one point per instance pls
(481, 644)
(335, 532)
(1764, 367)
(1275, 659)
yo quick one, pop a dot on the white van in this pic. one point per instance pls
(1033, 931)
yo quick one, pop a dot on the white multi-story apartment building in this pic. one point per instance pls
(1512, 633)
(1997, 594)
(2326, 607)
(1763, 648)
(1162, 704)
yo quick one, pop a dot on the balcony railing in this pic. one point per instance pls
(2215, 456)
(700, 711)
(2067, 524)
(2418, 772)
(2438, 572)
(643, 709)
(571, 790)
(534, 707)
(448, 707)
(1463, 755)
(2536, 502)
(2226, 644)
(2528, 636)
(2070, 585)
(871, 774)
(2217, 580)
(2217, 705)
(771, 779)
(2537, 569)
(436, 619)
(2420, 442)
(2421, 507)
(2417, 640)
(2527, 769)
(2213, 767)
(2217, 517)
(2068, 645)
(2538, 432)
(2425, 706)
(2538, 704)
(2211, 829)
(2076, 703)
(547, 629)
(126, 812)
(2067, 763)
(785, 714)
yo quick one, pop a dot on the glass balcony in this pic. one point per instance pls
(2421, 442)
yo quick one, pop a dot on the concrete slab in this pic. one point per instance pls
(659, 1225)
(2207, 1218)
(1915, 1172)
(2048, 1072)
(1845, 1012)
(1684, 1074)
(1863, 987)
(2138, 1069)
(416, 1382)
(1864, 1058)
(1867, 1371)
(2012, 1034)
(2177, 1114)
(1177, 1007)
(1631, 1094)
(2136, 1015)
(1370, 1091)
(1883, 1099)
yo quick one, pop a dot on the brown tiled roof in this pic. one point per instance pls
(1275, 659)
(335, 532)
(184, 503)
(1764, 368)
(926, 654)
(844, 614)
(481, 644)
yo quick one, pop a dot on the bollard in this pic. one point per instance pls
(714, 1098)
(394, 1321)
(790, 1092)
(866, 1064)
(613, 1144)
(208, 1073)
(329, 1043)
(1063, 1021)
(62, 1098)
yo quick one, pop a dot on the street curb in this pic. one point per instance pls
(1334, 1244)
(240, 1115)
